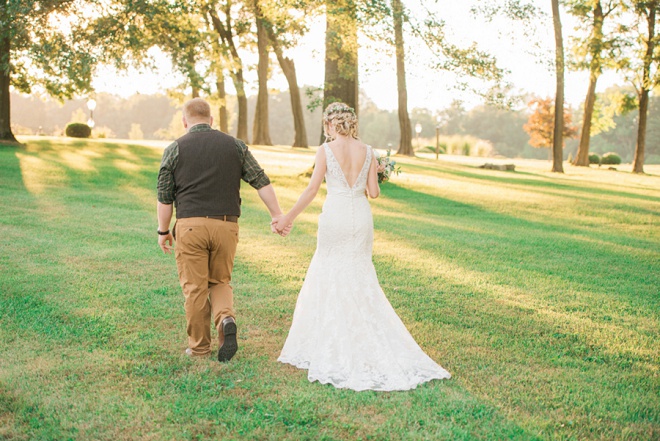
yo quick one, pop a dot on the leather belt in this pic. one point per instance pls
(224, 217)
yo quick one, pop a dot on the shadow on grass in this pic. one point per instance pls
(543, 246)
(540, 181)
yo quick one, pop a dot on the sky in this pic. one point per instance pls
(529, 71)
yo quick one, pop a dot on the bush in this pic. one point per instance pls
(78, 130)
(610, 158)
(594, 158)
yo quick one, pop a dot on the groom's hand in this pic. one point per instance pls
(163, 243)
(279, 226)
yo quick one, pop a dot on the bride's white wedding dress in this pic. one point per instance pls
(344, 330)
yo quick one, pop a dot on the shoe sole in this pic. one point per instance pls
(229, 348)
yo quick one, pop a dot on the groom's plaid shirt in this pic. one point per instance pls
(252, 173)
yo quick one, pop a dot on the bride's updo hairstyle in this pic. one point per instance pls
(342, 118)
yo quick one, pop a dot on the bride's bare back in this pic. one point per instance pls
(350, 154)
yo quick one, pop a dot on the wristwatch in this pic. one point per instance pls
(163, 233)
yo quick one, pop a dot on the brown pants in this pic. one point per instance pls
(205, 250)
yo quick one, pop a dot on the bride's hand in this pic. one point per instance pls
(282, 226)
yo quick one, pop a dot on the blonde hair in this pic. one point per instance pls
(342, 118)
(197, 108)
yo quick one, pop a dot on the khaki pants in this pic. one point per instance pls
(205, 250)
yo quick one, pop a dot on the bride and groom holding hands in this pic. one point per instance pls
(344, 331)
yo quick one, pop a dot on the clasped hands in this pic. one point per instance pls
(281, 225)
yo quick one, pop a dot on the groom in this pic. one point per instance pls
(200, 174)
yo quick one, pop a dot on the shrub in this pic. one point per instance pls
(594, 158)
(610, 158)
(78, 130)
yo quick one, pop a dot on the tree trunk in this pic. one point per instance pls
(239, 85)
(6, 134)
(638, 159)
(225, 32)
(341, 54)
(289, 70)
(193, 76)
(558, 134)
(405, 141)
(222, 97)
(582, 156)
(260, 128)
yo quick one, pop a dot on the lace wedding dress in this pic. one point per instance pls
(344, 330)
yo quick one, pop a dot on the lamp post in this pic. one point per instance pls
(418, 130)
(91, 105)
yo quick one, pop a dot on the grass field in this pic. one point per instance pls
(538, 292)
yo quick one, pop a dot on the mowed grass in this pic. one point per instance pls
(538, 292)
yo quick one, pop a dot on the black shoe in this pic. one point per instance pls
(230, 346)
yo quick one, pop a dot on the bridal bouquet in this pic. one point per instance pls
(386, 166)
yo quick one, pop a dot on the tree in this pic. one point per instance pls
(442, 55)
(558, 132)
(260, 128)
(125, 33)
(590, 54)
(341, 53)
(36, 52)
(223, 121)
(227, 33)
(405, 140)
(541, 125)
(283, 28)
(641, 67)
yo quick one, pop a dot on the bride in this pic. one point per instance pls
(344, 330)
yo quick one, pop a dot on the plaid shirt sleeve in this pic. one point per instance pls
(166, 185)
(252, 173)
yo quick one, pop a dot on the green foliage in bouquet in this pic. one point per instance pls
(387, 166)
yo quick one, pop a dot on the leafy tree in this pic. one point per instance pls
(260, 127)
(641, 66)
(428, 32)
(284, 24)
(125, 33)
(229, 22)
(341, 53)
(541, 125)
(41, 45)
(405, 128)
(558, 130)
(592, 53)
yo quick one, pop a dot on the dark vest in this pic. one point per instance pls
(207, 175)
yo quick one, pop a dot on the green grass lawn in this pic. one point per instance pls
(538, 292)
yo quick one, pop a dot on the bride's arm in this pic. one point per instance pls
(372, 178)
(308, 194)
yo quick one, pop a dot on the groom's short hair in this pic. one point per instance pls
(196, 108)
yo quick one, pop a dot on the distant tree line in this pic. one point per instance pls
(157, 117)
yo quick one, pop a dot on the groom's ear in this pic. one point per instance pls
(185, 122)
(211, 121)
